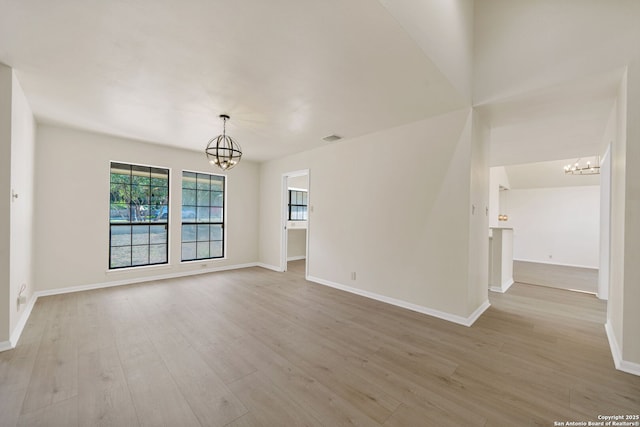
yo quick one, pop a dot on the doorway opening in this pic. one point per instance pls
(295, 222)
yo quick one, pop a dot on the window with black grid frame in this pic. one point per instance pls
(298, 209)
(138, 215)
(203, 197)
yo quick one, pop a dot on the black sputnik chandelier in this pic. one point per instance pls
(222, 150)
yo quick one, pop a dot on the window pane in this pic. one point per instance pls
(140, 235)
(188, 197)
(120, 235)
(188, 251)
(203, 232)
(188, 214)
(159, 196)
(215, 249)
(137, 213)
(120, 257)
(140, 255)
(120, 173)
(120, 193)
(188, 180)
(203, 197)
(140, 194)
(159, 177)
(203, 182)
(189, 233)
(216, 232)
(217, 183)
(217, 198)
(160, 214)
(157, 254)
(203, 250)
(119, 212)
(216, 214)
(158, 234)
(140, 175)
(304, 198)
(203, 214)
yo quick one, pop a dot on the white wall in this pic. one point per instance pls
(72, 204)
(556, 225)
(23, 137)
(402, 225)
(631, 323)
(296, 243)
(615, 306)
(479, 216)
(5, 200)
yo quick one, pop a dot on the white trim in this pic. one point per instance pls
(270, 267)
(15, 335)
(466, 321)
(504, 288)
(131, 281)
(558, 264)
(296, 258)
(621, 365)
(5, 345)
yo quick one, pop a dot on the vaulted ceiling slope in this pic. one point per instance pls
(546, 73)
(288, 72)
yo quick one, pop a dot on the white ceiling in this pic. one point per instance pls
(543, 72)
(287, 72)
(557, 122)
(547, 72)
(549, 174)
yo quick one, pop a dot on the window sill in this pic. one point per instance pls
(202, 261)
(139, 268)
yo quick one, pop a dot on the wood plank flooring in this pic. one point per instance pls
(253, 347)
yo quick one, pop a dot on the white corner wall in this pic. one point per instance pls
(5, 202)
(402, 228)
(615, 305)
(558, 225)
(72, 205)
(23, 137)
(630, 344)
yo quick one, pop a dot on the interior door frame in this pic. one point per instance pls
(285, 217)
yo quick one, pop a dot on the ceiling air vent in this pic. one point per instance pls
(331, 138)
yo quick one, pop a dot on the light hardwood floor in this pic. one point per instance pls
(257, 348)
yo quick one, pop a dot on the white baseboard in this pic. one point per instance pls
(621, 365)
(296, 258)
(22, 322)
(466, 321)
(504, 288)
(135, 280)
(15, 336)
(269, 267)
